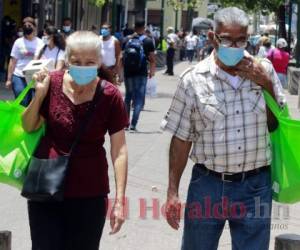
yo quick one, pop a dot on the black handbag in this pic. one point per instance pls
(45, 179)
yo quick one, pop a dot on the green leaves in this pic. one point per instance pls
(181, 4)
(98, 3)
(264, 5)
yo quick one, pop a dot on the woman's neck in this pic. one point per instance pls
(51, 45)
(30, 37)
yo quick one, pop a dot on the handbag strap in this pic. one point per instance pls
(83, 125)
(21, 96)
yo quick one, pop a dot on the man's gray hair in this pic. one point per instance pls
(83, 40)
(231, 16)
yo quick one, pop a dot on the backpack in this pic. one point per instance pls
(134, 55)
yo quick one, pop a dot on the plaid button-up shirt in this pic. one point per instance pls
(228, 126)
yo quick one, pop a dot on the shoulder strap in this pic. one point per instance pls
(83, 125)
(42, 51)
(56, 57)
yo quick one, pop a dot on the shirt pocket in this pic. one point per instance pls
(256, 101)
(212, 107)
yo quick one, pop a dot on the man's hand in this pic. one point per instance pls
(117, 217)
(173, 209)
(250, 69)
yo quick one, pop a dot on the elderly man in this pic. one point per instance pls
(219, 108)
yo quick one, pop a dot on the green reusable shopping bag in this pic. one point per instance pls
(16, 146)
(286, 154)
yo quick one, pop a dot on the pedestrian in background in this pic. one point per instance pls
(172, 42)
(111, 54)
(280, 60)
(191, 42)
(265, 48)
(67, 27)
(61, 101)
(139, 50)
(53, 48)
(22, 53)
(219, 108)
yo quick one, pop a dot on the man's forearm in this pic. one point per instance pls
(178, 156)
(272, 120)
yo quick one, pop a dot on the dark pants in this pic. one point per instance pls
(18, 85)
(74, 224)
(190, 54)
(170, 61)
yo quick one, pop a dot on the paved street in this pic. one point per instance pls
(148, 167)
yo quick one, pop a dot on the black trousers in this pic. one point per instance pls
(170, 60)
(74, 224)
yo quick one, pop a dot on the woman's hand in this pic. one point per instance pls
(117, 217)
(42, 79)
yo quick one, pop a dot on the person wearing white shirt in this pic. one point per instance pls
(22, 53)
(111, 54)
(191, 42)
(53, 48)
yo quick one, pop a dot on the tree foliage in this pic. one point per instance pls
(263, 5)
(98, 3)
(181, 4)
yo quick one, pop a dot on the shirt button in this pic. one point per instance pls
(257, 93)
(237, 111)
(239, 165)
(240, 148)
(238, 130)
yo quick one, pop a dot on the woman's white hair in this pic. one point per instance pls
(82, 40)
(231, 16)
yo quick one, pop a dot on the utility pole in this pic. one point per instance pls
(298, 36)
(176, 19)
(162, 11)
(290, 25)
(114, 16)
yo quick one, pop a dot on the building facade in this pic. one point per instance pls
(172, 17)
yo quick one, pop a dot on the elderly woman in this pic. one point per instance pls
(61, 102)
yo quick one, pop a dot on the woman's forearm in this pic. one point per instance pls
(121, 168)
(31, 118)
(119, 155)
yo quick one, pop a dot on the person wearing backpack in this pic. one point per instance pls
(138, 52)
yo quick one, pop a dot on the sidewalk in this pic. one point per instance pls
(147, 180)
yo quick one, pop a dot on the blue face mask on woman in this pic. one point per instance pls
(83, 75)
(105, 32)
(230, 56)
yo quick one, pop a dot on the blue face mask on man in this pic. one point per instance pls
(105, 32)
(83, 75)
(230, 56)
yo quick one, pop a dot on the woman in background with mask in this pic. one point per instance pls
(61, 101)
(53, 48)
(22, 53)
(111, 54)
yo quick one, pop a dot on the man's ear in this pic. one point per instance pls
(211, 35)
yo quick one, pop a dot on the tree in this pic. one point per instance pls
(190, 5)
(98, 3)
(265, 6)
